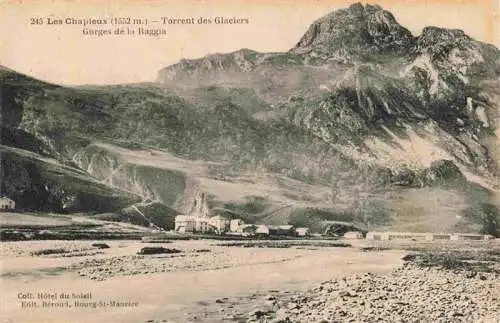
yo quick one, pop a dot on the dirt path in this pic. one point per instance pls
(169, 295)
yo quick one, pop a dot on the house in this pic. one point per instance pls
(220, 223)
(253, 229)
(353, 235)
(247, 229)
(262, 230)
(339, 228)
(282, 230)
(6, 203)
(202, 225)
(185, 223)
(235, 224)
(302, 232)
(193, 223)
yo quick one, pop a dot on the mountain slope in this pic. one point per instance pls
(369, 82)
(359, 116)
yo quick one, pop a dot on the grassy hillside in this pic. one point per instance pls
(40, 183)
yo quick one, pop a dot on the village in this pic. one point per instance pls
(218, 222)
(203, 220)
(222, 225)
(221, 222)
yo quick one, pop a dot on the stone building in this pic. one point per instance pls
(353, 235)
(262, 230)
(7, 204)
(236, 224)
(302, 232)
(220, 222)
(185, 223)
(282, 230)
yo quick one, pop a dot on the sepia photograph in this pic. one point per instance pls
(284, 161)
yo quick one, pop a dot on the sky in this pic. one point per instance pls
(63, 54)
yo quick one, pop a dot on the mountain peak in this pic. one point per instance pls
(358, 30)
(436, 35)
(454, 53)
(358, 7)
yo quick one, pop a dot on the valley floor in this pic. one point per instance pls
(209, 282)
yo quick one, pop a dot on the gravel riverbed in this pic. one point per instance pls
(427, 288)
